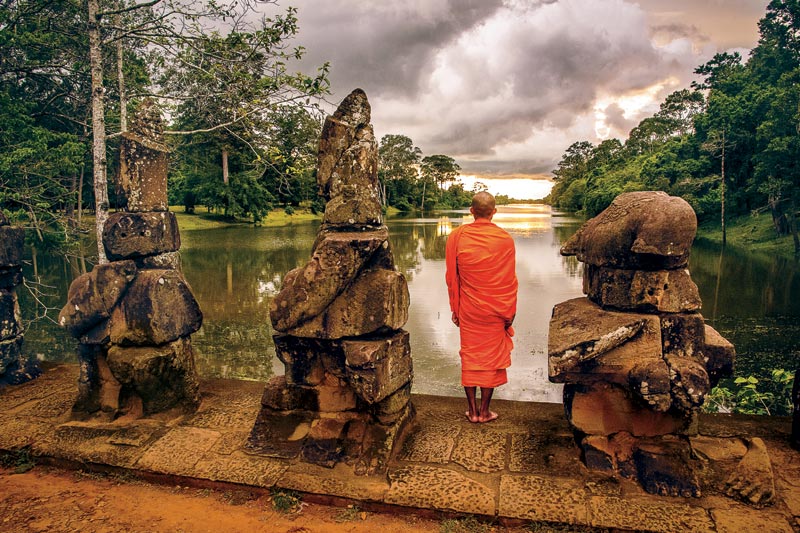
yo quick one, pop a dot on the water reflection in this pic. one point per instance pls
(235, 272)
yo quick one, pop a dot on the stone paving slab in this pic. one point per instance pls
(442, 489)
(523, 466)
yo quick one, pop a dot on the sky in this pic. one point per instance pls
(505, 86)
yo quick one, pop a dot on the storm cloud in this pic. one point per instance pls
(504, 86)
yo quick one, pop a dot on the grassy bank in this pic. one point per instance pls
(201, 219)
(754, 233)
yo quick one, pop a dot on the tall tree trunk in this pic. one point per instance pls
(225, 167)
(98, 128)
(724, 235)
(123, 97)
(80, 193)
(422, 204)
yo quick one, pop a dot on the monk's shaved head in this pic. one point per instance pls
(483, 205)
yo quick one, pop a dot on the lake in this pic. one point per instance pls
(754, 300)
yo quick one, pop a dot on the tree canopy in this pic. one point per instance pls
(730, 144)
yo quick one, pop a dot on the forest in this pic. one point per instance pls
(241, 122)
(729, 144)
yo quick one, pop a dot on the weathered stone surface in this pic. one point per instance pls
(167, 260)
(12, 240)
(605, 409)
(439, 488)
(334, 264)
(158, 308)
(610, 454)
(689, 382)
(683, 335)
(718, 354)
(638, 514)
(376, 300)
(130, 235)
(378, 368)
(335, 395)
(163, 377)
(650, 381)
(482, 450)
(587, 343)
(753, 480)
(15, 366)
(664, 467)
(99, 335)
(10, 277)
(279, 434)
(388, 410)
(347, 171)
(10, 317)
(143, 173)
(301, 358)
(93, 295)
(640, 230)
(666, 291)
(280, 396)
(543, 499)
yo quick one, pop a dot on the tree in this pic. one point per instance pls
(437, 170)
(398, 163)
(679, 110)
(222, 80)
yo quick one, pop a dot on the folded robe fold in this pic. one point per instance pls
(482, 286)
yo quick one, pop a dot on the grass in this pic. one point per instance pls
(755, 233)
(469, 524)
(350, 514)
(286, 501)
(20, 459)
(201, 219)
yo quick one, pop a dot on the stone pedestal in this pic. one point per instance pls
(344, 397)
(134, 315)
(635, 355)
(15, 366)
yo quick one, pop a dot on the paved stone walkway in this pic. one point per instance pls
(524, 466)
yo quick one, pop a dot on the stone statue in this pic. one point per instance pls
(15, 366)
(133, 316)
(636, 356)
(345, 393)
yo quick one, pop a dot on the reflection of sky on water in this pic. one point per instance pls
(544, 280)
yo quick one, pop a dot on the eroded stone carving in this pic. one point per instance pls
(133, 317)
(345, 393)
(635, 355)
(15, 366)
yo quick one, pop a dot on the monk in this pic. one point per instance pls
(482, 285)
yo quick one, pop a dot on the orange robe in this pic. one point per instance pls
(482, 285)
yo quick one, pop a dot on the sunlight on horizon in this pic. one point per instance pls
(519, 188)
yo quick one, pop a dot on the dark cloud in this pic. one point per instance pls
(507, 85)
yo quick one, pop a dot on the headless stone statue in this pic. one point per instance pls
(133, 316)
(345, 394)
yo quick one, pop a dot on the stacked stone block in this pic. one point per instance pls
(345, 393)
(15, 366)
(636, 356)
(134, 315)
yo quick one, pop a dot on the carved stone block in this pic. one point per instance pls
(93, 295)
(666, 291)
(159, 307)
(143, 173)
(587, 343)
(130, 235)
(378, 368)
(605, 409)
(12, 240)
(376, 300)
(162, 376)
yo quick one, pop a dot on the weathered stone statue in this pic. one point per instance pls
(133, 316)
(636, 356)
(15, 366)
(345, 393)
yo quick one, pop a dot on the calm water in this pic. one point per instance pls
(234, 272)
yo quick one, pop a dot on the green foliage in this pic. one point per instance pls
(748, 111)
(749, 395)
(469, 524)
(20, 459)
(286, 501)
(350, 514)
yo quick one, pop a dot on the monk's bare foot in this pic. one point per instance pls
(488, 418)
(472, 418)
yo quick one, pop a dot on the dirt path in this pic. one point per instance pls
(52, 500)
